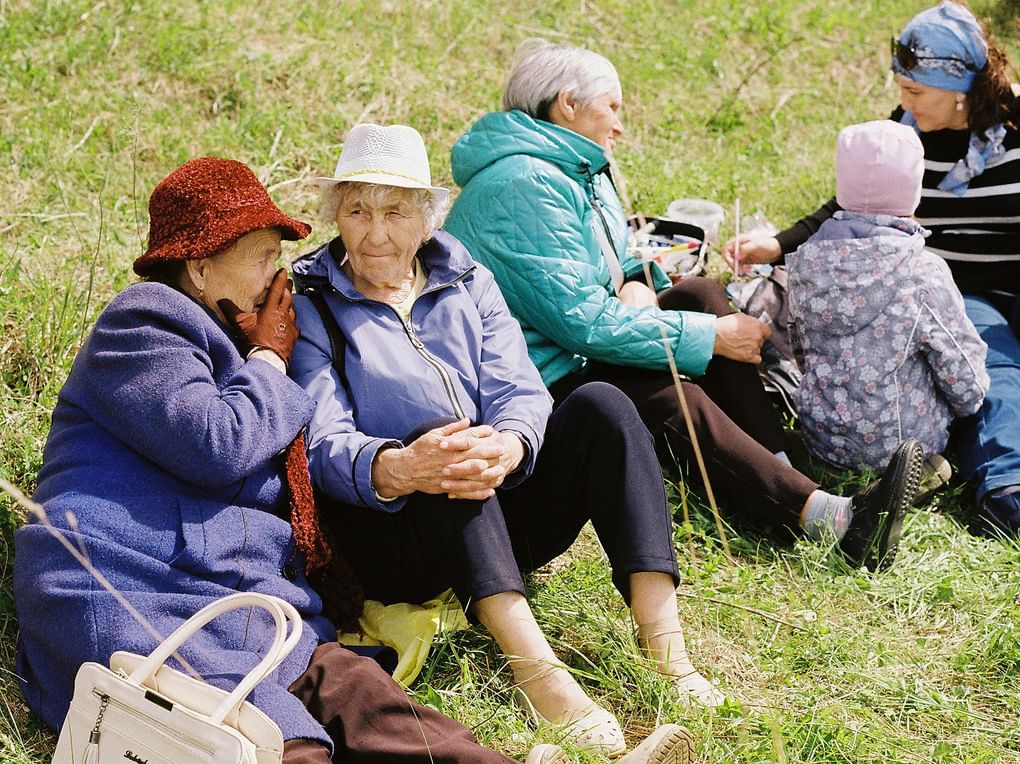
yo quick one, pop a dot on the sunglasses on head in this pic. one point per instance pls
(908, 57)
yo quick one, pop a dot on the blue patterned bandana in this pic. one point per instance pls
(942, 47)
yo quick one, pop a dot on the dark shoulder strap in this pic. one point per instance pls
(337, 340)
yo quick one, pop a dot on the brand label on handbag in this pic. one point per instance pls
(130, 756)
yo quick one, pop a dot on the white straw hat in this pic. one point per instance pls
(391, 155)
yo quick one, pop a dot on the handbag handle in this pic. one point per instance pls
(282, 645)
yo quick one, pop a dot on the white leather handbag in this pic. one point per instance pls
(142, 711)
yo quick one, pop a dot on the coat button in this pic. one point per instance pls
(289, 572)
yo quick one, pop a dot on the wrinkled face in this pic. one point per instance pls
(934, 109)
(599, 121)
(381, 232)
(241, 273)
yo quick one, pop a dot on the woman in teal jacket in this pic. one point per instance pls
(539, 209)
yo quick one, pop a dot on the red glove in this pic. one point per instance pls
(271, 327)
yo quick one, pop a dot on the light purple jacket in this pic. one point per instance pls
(889, 353)
(463, 355)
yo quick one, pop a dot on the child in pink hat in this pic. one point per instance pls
(888, 352)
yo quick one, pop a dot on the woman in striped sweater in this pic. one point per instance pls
(955, 91)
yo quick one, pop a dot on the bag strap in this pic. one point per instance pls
(337, 340)
(608, 253)
(282, 613)
(602, 233)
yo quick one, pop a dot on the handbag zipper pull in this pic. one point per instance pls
(92, 748)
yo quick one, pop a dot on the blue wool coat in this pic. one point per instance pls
(165, 447)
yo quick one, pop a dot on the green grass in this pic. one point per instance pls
(722, 100)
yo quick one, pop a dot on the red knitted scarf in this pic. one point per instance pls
(304, 518)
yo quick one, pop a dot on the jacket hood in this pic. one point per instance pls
(851, 262)
(445, 259)
(502, 134)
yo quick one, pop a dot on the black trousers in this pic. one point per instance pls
(597, 463)
(736, 426)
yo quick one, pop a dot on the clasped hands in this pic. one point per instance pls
(460, 460)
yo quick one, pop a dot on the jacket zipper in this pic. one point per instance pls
(419, 346)
(174, 734)
(432, 361)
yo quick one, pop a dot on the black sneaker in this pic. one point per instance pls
(874, 532)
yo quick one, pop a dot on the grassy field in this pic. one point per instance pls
(100, 100)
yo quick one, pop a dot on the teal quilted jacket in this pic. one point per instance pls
(532, 193)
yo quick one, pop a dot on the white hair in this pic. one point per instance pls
(542, 70)
(432, 208)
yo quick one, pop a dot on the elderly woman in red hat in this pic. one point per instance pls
(176, 462)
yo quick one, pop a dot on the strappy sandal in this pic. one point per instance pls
(594, 729)
(687, 679)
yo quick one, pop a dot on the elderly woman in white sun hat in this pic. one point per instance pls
(432, 439)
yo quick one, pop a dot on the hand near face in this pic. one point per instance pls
(273, 326)
(462, 461)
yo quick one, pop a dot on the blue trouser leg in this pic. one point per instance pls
(597, 463)
(989, 442)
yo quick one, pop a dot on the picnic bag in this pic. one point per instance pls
(766, 298)
(679, 265)
(140, 710)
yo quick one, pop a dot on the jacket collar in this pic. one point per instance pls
(502, 134)
(908, 226)
(576, 154)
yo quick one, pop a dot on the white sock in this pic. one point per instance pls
(827, 515)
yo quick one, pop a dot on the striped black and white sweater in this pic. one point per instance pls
(978, 234)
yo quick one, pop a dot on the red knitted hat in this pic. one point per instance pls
(206, 205)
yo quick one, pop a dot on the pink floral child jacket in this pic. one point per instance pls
(889, 353)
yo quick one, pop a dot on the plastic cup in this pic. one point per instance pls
(703, 213)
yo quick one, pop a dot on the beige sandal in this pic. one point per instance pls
(668, 744)
(678, 666)
(594, 729)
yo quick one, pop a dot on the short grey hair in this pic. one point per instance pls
(541, 70)
(432, 208)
